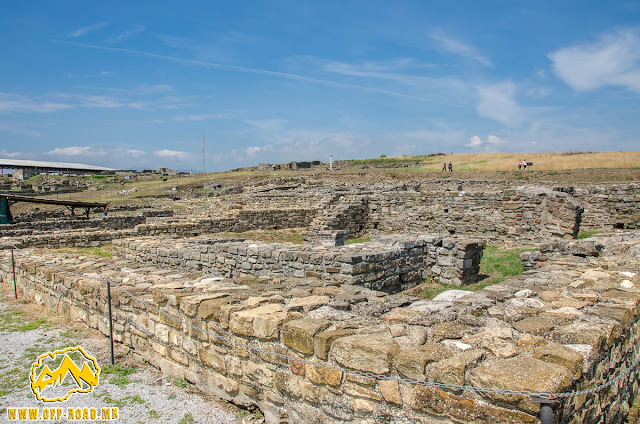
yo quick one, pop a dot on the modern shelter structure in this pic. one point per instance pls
(25, 169)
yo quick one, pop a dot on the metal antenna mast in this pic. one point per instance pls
(203, 167)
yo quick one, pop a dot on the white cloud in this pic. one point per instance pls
(497, 102)
(18, 103)
(173, 154)
(456, 47)
(75, 151)
(202, 117)
(475, 141)
(6, 154)
(492, 139)
(84, 30)
(614, 60)
(253, 150)
(128, 33)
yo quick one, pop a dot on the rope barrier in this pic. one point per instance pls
(538, 397)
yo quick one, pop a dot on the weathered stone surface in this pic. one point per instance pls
(558, 354)
(453, 370)
(241, 322)
(390, 391)
(299, 334)
(537, 326)
(441, 403)
(323, 375)
(412, 362)
(365, 352)
(322, 341)
(307, 304)
(209, 308)
(520, 373)
(268, 326)
(449, 330)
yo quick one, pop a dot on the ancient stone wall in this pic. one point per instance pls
(390, 264)
(525, 215)
(282, 347)
(97, 223)
(609, 205)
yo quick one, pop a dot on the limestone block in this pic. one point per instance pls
(322, 375)
(453, 370)
(537, 326)
(412, 362)
(212, 359)
(556, 353)
(520, 373)
(190, 304)
(209, 309)
(449, 330)
(366, 352)
(307, 304)
(268, 326)
(299, 334)
(241, 322)
(390, 391)
(403, 315)
(322, 341)
(444, 404)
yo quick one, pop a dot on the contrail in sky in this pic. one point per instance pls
(244, 69)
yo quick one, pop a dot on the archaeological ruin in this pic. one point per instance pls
(322, 331)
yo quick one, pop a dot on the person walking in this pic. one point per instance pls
(519, 164)
(450, 167)
(524, 164)
(444, 166)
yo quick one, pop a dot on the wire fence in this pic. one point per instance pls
(538, 397)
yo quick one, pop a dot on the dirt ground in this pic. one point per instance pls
(139, 391)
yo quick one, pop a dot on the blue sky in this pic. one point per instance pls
(136, 84)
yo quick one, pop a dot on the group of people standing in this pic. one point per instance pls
(522, 164)
(444, 166)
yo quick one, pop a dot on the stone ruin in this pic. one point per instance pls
(317, 333)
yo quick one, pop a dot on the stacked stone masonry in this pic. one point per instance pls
(491, 210)
(391, 264)
(570, 324)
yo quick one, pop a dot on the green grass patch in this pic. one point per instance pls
(154, 414)
(181, 382)
(127, 400)
(500, 264)
(104, 251)
(119, 380)
(15, 321)
(187, 419)
(497, 265)
(357, 240)
(118, 369)
(33, 325)
(583, 234)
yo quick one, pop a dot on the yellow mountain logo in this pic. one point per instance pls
(55, 383)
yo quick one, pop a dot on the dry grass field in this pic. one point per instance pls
(541, 161)
(565, 167)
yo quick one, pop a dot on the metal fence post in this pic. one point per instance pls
(110, 321)
(546, 407)
(13, 268)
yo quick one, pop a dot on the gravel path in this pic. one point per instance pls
(141, 392)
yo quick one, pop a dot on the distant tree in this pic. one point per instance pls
(383, 156)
